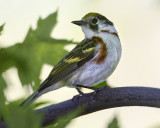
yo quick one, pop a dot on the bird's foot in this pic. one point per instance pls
(95, 92)
(75, 99)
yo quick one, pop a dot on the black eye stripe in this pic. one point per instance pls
(94, 20)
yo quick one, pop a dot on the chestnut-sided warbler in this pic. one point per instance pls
(91, 62)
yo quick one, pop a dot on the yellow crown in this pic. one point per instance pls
(90, 15)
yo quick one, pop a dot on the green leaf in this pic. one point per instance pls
(44, 27)
(2, 98)
(102, 84)
(37, 49)
(114, 123)
(17, 117)
(1, 28)
(37, 104)
(2, 86)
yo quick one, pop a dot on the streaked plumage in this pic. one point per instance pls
(92, 61)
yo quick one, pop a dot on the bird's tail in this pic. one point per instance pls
(30, 99)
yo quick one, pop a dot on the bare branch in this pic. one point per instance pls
(104, 99)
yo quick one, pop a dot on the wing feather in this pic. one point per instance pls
(76, 58)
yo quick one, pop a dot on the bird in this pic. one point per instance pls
(91, 62)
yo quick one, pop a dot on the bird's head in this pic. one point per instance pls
(94, 23)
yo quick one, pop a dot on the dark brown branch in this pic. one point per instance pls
(104, 99)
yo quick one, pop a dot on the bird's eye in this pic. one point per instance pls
(94, 20)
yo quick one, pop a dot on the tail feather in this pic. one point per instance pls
(44, 88)
(30, 99)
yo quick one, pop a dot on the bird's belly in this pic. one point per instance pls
(92, 73)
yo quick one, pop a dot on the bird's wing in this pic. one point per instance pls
(81, 54)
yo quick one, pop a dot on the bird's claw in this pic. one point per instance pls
(76, 98)
(95, 92)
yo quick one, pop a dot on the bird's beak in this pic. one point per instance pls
(79, 22)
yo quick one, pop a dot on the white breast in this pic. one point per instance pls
(92, 73)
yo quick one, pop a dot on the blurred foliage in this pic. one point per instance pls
(1, 28)
(2, 86)
(155, 126)
(103, 84)
(28, 57)
(114, 123)
(17, 117)
(158, 126)
(36, 49)
(38, 104)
